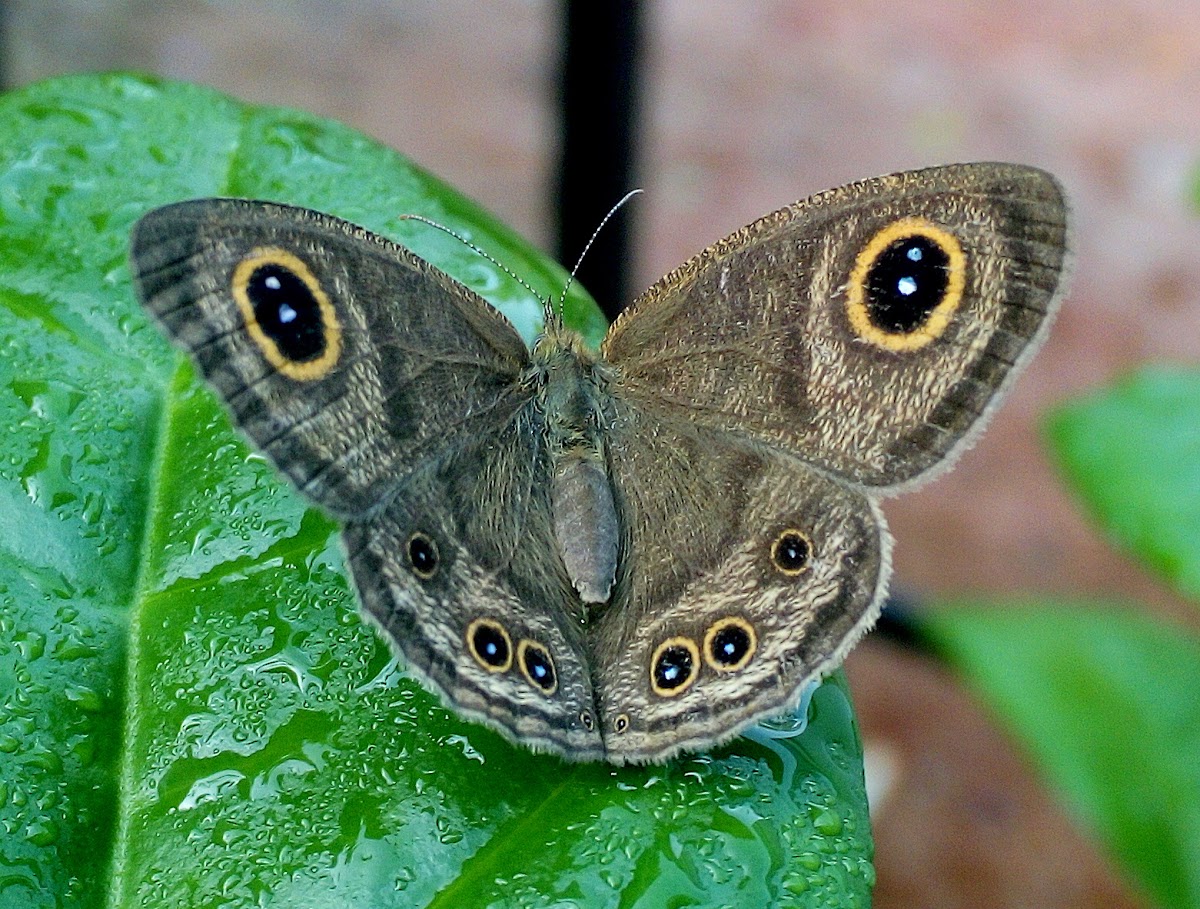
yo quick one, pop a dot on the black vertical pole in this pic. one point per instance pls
(598, 109)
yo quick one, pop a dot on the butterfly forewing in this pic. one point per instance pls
(866, 330)
(346, 358)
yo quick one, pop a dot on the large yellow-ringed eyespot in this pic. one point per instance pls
(729, 643)
(490, 644)
(287, 313)
(674, 666)
(906, 284)
(423, 555)
(791, 552)
(537, 666)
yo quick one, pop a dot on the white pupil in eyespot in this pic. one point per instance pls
(273, 282)
(286, 313)
(907, 286)
(914, 254)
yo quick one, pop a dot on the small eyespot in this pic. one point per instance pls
(791, 552)
(287, 313)
(729, 643)
(620, 723)
(490, 644)
(423, 555)
(674, 666)
(905, 284)
(589, 722)
(537, 666)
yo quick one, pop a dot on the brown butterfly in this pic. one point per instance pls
(625, 554)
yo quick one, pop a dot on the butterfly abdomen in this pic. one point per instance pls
(585, 525)
(585, 518)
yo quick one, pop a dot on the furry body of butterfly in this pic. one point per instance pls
(627, 554)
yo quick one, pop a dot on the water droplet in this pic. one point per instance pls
(827, 822)
(796, 883)
(84, 751)
(31, 645)
(86, 698)
(403, 878)
(42, 832)
(45, 759)
(808, 860)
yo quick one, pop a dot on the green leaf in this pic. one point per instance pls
(1132, 453)
(1105, 700)
(193, 714)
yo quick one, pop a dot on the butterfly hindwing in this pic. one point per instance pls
(747, 575)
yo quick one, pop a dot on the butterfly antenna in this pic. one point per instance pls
(471, 246)
(562, 300)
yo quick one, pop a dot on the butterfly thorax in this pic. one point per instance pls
(571, 390)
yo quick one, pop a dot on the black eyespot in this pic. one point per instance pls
(423, 555)
(537, 666)
(905, 283)
(620, 723)
(589, 723)
(287, 312)
(791, 552)
(490, 644)
(674, 666)
(729, 643)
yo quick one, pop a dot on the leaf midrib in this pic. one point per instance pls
(170, 398)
